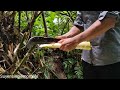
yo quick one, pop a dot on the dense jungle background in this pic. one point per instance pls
(17, 27)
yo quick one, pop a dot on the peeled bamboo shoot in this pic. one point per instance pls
(83, 45)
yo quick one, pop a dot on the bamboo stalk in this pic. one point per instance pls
(83, 45)
(23, 60)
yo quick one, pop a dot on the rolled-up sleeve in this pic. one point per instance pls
(78, 21)
(108, 14)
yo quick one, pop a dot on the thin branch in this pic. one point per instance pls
(45, 26)
(19, 18)
(69, 14)
(27, 16)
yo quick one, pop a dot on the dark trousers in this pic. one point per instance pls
(101, 72)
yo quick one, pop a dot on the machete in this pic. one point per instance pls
(40, 40)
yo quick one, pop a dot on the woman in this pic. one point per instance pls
(102, 29)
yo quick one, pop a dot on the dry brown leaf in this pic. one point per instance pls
(10, 55)
(11, 48)
(1, 70)
(1, 45)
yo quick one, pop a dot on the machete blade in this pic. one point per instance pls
(40, 40)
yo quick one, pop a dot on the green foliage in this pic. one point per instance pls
(72, 65)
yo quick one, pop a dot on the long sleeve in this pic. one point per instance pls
(78, 21)
(108, 14)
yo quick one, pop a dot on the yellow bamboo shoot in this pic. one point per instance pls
(83, 45)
